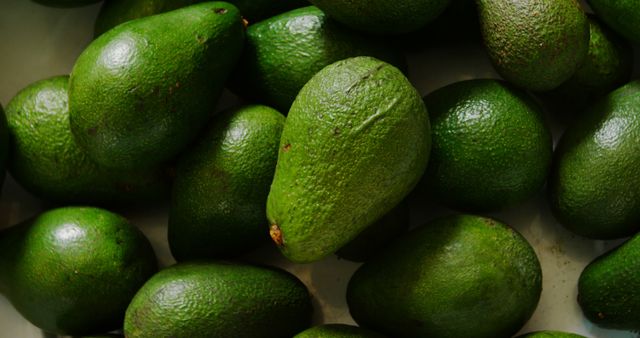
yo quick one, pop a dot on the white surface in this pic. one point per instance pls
(38, 42)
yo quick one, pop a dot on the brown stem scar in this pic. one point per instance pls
(276, 234)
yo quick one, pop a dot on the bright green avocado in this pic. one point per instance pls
(458, 276)
(621, 15)
(221, 185)
(141, 92)
(216, 299)
(46, 161)
(337, 331)
(550, 334)
(594, 187)
(534, 44)
(283, 52)
(355, 143)
(74, 270)
(65, 3)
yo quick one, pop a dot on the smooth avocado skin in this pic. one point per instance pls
(382, 17)
(283, 52)
(537, 52)
(218, 299)
(74, 270)
(621, 15)
(65, 3)
(354, 144)
(491, 147)
(457, 276)
(141, 92)
(221, 185)
(608, 288)
(550, 334)
(594, 187)
(337, 331)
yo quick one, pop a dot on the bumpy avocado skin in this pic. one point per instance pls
(217, 299)
(594, 187)
(550, 334)
(337, 331)
(283, 52)
(74, 270)
(534, 44)
(65, 3)
(622, 15)
(608, 288)
(141, 92)
(355, 143)
(221, 185)
(458, 276)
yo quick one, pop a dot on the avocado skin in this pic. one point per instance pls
(337, 331)
(534, 44)
(221, 185)
(65, 3)
(141, 92)
(217, 299)
(491, 147)
(621, 15)
(73, 270)
(47, 162)
(458, 276)
(4, 145)
(594, 188)
(383, 17)
(608, 288)
(283, 52)
(355, 143)
(550, 334)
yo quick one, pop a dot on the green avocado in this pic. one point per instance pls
(622, 15)
(355, 143)
(74, 270)
(46, 161)
(216, 299)
(283, 52)
(457, 276)
(491, 147)
(141, 92)
(221, 185)
(337, 331)
(65, 3)
(534, 44)
(550, 334)
(594, 187)
(4, 145)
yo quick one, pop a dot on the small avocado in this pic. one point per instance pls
(594, 187)
(491, 147)
(283, 52)
(337, 331)
(355, 143)
(622, 15)
(65, 3)
(550, 334)
(457, 276)
(217, 299)
(141, 92)
(74, 270)
(221, 185)
(46, 161)
(608, 288)
(382, 17)
(534, 44)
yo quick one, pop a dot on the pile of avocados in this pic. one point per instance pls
(327, 154)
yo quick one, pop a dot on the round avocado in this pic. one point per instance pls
(621, 15)
(337, 331)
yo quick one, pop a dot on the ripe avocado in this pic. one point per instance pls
(550, 334)
(140, 93)
(355, 143)
(283, 52)
(74, 270)
(594, 186)
(337, 331)
(221, 185)
(65, 3)
(622, 15)
(216, 299)
(535, 44)
(458, 276)
(491, 147)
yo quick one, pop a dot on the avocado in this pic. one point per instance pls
(382, 17)
(74, 270)
(355, 143)
(622, 15)
(65, 3)
(534, 44)
(4, 145)
(457, 276)
(550, 334)
(283, 52)
(608, 288)
(217, 299)
(337, 331)
(491, 147)
(141, 92)
(46, 161)
(221, 185)
(594, 187)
